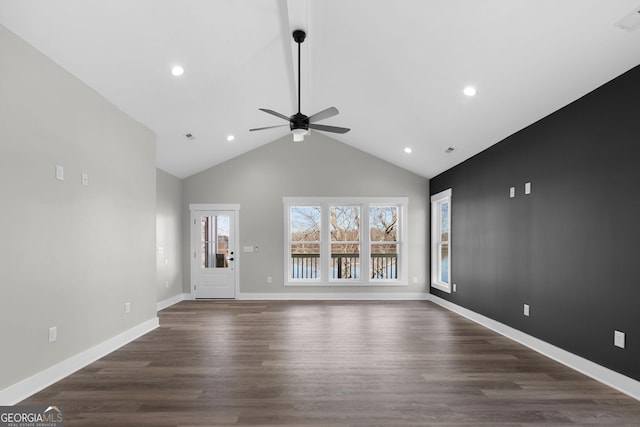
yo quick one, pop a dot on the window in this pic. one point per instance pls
(345, 241)
(441, 241)
(383, 229)
(304, 241)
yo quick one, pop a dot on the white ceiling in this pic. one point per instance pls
(394, 69)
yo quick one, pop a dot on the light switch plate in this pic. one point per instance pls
(527, 188)
(53, 334)
(85, 179)
(618, 339)
(526, 310)
(60, 173)
(512, 192)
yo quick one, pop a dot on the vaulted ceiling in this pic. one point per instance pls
(396, 70)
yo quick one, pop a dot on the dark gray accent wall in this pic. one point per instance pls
(571, 248)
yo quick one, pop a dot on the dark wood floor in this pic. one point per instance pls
(331, 364)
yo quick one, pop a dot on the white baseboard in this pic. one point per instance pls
(173, 300)
(27, 387)
(620, 382)
(352, 296)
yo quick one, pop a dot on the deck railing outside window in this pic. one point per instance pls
(345, 266)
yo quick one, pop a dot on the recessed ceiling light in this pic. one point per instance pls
(177, 71)
(470, 91)
(230, 138)
(408, 150)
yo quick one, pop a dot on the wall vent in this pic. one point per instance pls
(631, 21)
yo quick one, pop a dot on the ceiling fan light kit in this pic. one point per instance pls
(298, 134)
(300, 123)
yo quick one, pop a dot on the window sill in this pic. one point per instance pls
(444, 287)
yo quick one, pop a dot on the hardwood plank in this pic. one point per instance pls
(329, 363)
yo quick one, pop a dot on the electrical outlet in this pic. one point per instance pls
(618, 339)
(53, 334)
(526, 310)
(269, 279)
(166, 284)
(85, 179)
(512, 192)
(455, 288)
(127, 307)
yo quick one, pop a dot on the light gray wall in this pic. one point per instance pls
(320, 166)
(70, 256)
(168, 235)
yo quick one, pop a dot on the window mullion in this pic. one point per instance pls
(325, 249)
(365, 244)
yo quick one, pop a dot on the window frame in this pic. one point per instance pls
(358, 242)
(364, 203)
(289, 241)
(437, 200)
(399, 242)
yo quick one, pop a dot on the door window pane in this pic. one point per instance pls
(214, 241)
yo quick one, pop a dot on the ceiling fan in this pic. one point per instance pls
(300, 123)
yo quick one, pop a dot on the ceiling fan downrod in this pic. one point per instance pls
(299, 123)
(299, 36)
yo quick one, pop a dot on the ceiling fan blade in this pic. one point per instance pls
(324, 114)
(275, 113)
(334, 129)
(268, 127)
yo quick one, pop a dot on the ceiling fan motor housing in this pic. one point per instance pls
(299, 121)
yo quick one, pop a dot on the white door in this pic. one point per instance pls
(213, 273)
